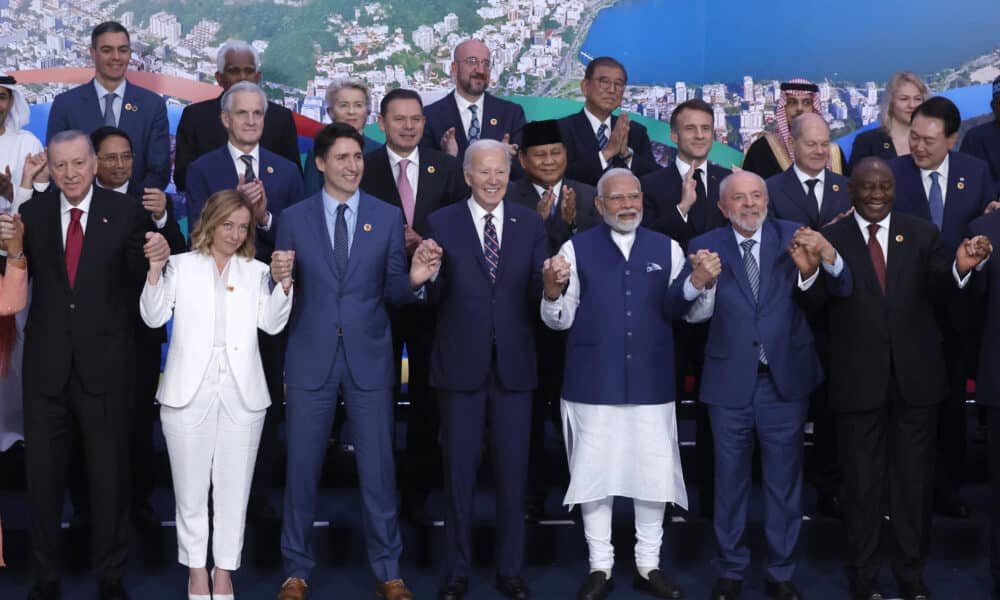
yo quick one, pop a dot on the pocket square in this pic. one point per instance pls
(651, 266)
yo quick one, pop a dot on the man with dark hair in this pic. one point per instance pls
(595, 139)
(983, 141)
(109, 99)
(200, 130)
(950, 189)
(419, 181)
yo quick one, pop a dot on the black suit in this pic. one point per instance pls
(885, 381)
(874, 142)
(523, 192)
(582, 158)
(661, 193)
(200, 131)
(78, 352)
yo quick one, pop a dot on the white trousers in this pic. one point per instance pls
(648, 533)
(212, 441)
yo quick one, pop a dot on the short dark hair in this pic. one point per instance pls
(604, 61)
(398, 94)
(107, 27)
(696, 104)
(329, 134)
(942, 108)
(100, 134)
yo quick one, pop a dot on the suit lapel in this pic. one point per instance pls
(318, 218)
(456, 118)
(53, 222)
(897, 255)
(913, 190)
(829, 209)
(99, 219)
(793, 187)
(96, 110)
(732, 256)
(428, 184)
(854, 245)
(770, 252)
(477, 247)
(362, 234)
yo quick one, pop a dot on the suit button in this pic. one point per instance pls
(628, 333)
(628, 357)
(628, 272)
(628, 292)
(72, 306)
(628, 313)
(493, 300)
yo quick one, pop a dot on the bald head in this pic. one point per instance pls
(810, 143)
(470, 69)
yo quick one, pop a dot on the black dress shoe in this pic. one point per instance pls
(454, 589)
(726, 589)
(658, 585)
(950, 505)
(597, 586)
(782, 590)
(830, 506)
(112, 589)
(513, 587)
(45, 590)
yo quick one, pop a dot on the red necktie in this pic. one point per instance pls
(875, 250)
(74, 244)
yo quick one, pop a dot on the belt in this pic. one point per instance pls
(763, 369)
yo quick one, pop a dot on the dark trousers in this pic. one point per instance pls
(463, 428)
(891, 446)
(272, 356)
(551, 352)
(824, 468)
(951, 436)
(102, 422)
(993, 419)
(144, 415)
(689, 342)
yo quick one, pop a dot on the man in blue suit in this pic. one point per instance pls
(350, 260)
(469, 112)
(983, 141)
(483, 359)
(950, 189)
(111, 100)
(760, 367)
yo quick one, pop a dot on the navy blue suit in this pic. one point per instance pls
(787, 199)
(743, 395)
(983, 142)
(499, 117)
(146, 127)
(483, 363)
(583, 163)
(340, 340)
(661, 193)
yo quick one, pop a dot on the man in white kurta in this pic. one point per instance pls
(613, 287)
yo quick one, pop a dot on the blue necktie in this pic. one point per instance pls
(491, 247)
(109, 110)
(602, 136)
(473, 124)
(753, 274)
(936, 200)
(340, 241)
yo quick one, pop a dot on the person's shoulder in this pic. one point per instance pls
(279, 162)
(914, 224)
(207, 159)
(440, 105)
(871, 137)
(142, 92)
(710, 239)
(838, 180)
(497, 101)
(967, 163)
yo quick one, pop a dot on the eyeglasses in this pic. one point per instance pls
(110, 159)
(619, 198)
(606, 83)
(474, 62)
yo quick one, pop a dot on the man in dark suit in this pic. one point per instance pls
(271, 183)
(950, 189)
(483, 363)
(887, 374)
(200, 130)
(597, 140)
(983, 141)
(111, 100)
(429, 181)
(760, 367)
(78, 353)
(469, 112)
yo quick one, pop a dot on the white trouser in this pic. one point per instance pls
(648, 533)
(212, 441)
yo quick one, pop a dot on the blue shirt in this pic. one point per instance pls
(330, 205)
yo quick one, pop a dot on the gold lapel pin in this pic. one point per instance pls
(493, 121)
(961, 183)
(367, 227)
(431, 169)
(131, 107)
(836, 187)
(104, 219)
(899, 237)
(886, 145)
(270, 169)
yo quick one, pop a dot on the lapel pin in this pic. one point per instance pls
(493, 121)
(836, 187)
(431, 169)
(899, 237)
(104, 219)
(367, 227)
(886, 145)
(131, 107)
(513, 220)
(270, 169)
(961, 183)
(230, 288)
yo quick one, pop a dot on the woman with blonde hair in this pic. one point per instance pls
(213, 395)
(347, 101)
(904, 92)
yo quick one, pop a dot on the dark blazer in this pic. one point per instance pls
(440, 182)
(872, 334)
(875, 142)
(787, 199)
(146, 126)
(523, 192)
(985, 291)
(91, 324)
(479, 323)
(969, 191)
(200, 131)
(312, 179)
(983, 142)
(215, 171)
(661, 193)
(581, 148)
(499, 117)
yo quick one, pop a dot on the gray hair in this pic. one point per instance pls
(611, 174)
(243, 86)
(347, 83)
(800, 121)
(724, 184)
(235, 46)
(483, 145)
(71, 135)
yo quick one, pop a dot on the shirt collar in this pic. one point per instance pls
(804, 177)
(623, 239)
(942, 169)
(863, 223)
(755, 237)
(596, 123)
(101, 92)
(236, 153)
(122, 189)
(330, 203)
(556, 189)
(394, 158)
(683, 167)
(84, 205)
(478, 213)
(463, 104)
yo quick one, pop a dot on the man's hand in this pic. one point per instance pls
(843, 215)
(7, 184)
(426, 262)
(806, 261)
(992, 206)
(282, 267)
(568, 207)
(689, 191)
(618, 141)
(12, 233)
(155, 202)
(555, 276)
(449, 144)
(544, 205)
(815, 244)
(157, 252)
(706, 266)
(254, 191)
(971, 252)
(411, 238)
(511, 148)
(36, 169)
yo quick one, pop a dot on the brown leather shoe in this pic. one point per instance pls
(293, 589)
(393, 589)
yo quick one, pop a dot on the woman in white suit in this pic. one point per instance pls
(212, 393)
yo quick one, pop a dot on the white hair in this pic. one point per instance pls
(483, 145)
(725, 181)
(347, 83)
(235, 46)
(243, 86)
(611, 174)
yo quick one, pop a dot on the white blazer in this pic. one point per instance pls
(187, 291)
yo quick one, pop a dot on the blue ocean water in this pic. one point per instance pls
(702, 41)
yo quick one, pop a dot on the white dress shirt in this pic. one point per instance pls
(65, 207)
(463, 111)
(683, 168)
(412, 169)
(925, 178)
(479, 218)
(116, 106)
(804, 177)
(241, 168)
(595, 124)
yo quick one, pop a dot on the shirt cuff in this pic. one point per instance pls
(266, 226)
(684, 217)
(805, 284)
(40, 187)
(963, 281)
(161, 222)
(691, 292)
(836, 268)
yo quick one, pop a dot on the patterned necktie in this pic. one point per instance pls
(936, 200)
(813, 198)
(473, 124)
(875, 251)
(109, 110)
(248, 174)
(551, 193)
(406, 192)
(602, 136)
(491, 247)
(753, 274)
(340, 241)
(74, 244)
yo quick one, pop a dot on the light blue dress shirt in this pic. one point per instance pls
(330, 205)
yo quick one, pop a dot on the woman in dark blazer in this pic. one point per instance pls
(904, 92)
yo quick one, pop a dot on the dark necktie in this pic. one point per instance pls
(813, 198)
(936, 200)
(340, 241)
(699, 189)
(248, 174)
(875, 250)
(602, 136)
(473, 124)
(74, 244)
(551, 193)
(753, 274)
(109, 110)
(491, 247)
